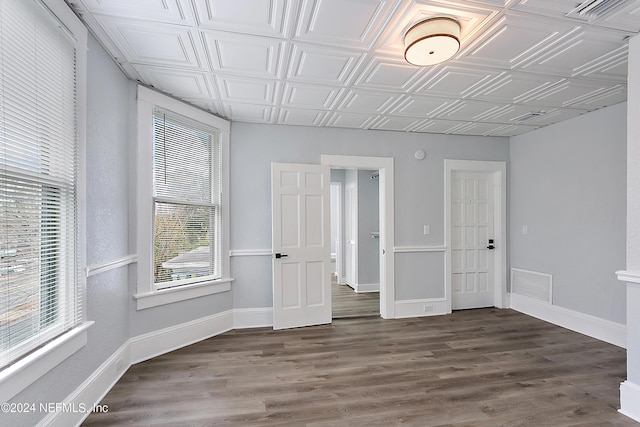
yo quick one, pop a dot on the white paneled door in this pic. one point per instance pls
(301, 245)
(472, 240)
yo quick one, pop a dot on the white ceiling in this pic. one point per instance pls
(339, 63)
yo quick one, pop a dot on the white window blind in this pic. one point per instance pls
(187, 195)
(40, 296)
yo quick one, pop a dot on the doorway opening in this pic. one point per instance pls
(382, 168)
(355, 248)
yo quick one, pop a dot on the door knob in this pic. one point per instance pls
(279, 255)
(491, 244)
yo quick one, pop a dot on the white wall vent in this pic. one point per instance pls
(532, 284)
(593, 9)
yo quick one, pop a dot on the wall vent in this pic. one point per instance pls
(593, 9)
(532, 284)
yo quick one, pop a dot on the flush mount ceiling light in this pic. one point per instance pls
(432, 41)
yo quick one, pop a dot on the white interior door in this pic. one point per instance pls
(301, 245)
(471, 240)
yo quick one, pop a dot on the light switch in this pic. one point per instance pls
(427, 229)
(525, 230)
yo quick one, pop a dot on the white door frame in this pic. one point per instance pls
(386, 200)
(499, 171)
(339, 227)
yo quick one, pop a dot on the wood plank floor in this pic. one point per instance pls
(478, 368)
(346, 303)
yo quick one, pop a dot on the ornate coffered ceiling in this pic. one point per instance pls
(523, 64)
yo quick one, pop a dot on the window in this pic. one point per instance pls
(42, 63)
(182, 211)
(186, 189)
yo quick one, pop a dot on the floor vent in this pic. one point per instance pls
(532, 284)
(593, 9)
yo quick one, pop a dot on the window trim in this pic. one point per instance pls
(146, 296)
(29, 369)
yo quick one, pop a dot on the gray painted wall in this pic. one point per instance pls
(419, 195)
(568, 185)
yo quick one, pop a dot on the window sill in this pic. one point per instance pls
(181, 293)
(31, 368)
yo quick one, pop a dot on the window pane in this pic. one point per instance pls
(182, 159)
(182, 244)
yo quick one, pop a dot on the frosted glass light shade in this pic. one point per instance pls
(432, 41)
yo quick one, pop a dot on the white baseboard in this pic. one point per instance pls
(420, 308)
(91, 391)
(630, 400)
(147, 346)
(244, 318)
(595, 327)
(362, 288)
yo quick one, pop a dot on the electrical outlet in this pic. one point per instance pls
(427, 308)
(525, 230)
(427, 229)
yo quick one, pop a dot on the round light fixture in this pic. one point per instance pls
(432, 41)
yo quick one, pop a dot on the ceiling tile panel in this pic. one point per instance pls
(259, 91)
(612, 66)
(368, 102)
(514, 40)
(259, 17)
(157, 44)
(625, 17)
(322, 65)
(350, 120)
(388, 75)
(472, 110)
(511, 130)
(455, 81)
(421, 106)
(581, 94)
(233, 53)
(180, 83)
(167, 11)
(583, 50)
(310, 96)
(439, 126)
(249, 112)
(510, 87)
(402, 124)
(300, 117)
(343, 23)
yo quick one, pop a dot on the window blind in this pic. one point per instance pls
(40, 295)
(187, 168)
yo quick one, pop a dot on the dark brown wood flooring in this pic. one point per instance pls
(346, 303)
(478, 368)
